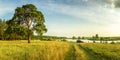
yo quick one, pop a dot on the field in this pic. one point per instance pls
(102, 51)
(38, 50)
(54, 50)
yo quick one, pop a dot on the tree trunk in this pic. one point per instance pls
(29, 36)
(28, 24)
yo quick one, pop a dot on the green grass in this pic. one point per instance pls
(53, 50)
(102, 51)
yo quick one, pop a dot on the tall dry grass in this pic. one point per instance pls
(36, 50)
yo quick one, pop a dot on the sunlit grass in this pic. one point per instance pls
(36, 50)
(104, 51)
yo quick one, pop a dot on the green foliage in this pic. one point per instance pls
(112, 42)
(16, 32)
(96, 36)
(3, 27)
(79, 37)
(83, 37)
(94, 41)
(29, 17)
(49, 38)
(26, 20)
(64, 40)
(74, 38)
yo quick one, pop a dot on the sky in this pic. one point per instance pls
(72, 17)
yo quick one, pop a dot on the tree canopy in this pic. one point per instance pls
(27, 19)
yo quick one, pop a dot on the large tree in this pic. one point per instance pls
(29, 17)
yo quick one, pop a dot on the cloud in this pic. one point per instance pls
(109, 2)
(97, 13)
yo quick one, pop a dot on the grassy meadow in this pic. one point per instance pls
(102, 51)
(54, 50)
(39, 50)
(36, 50)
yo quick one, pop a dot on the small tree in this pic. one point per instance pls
(96, 36)
(73, 37)
(79, 37)
(83, 37)
(101, 39)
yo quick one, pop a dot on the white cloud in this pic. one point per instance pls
(99, 16)
(93, 14)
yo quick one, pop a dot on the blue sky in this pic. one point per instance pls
(72, 17)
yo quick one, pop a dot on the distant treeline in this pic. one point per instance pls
(105, 38)
(49, 38)
(97, 37)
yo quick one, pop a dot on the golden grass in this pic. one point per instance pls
(36, 50)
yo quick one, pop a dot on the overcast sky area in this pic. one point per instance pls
(72, 17)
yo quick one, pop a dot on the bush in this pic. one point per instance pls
(106, 42)
(63, 40)
(112, 42)
(94, 41)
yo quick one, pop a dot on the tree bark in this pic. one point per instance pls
(28, 24)
(29, 36)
